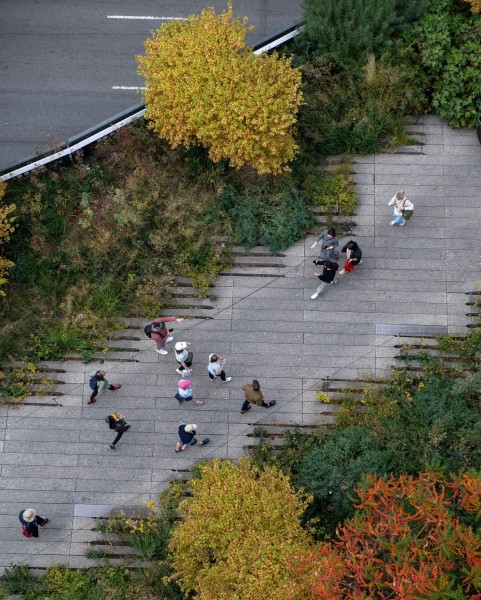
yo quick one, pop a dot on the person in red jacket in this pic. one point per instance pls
(160, 334)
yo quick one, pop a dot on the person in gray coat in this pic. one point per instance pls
(329, 244)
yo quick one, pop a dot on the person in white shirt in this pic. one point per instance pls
(216, 368)
(184, 358)
(403, 209)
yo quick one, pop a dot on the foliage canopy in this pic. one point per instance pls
(205, 86)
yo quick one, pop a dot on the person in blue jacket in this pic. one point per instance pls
(31, 520)
(187, 437)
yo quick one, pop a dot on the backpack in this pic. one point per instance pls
(25, 532)
(93, 382)
(148, 330)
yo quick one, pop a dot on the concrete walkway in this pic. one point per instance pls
(54, 455)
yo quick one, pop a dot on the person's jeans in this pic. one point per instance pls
(321, 287)
(221, 375)
(398, 219)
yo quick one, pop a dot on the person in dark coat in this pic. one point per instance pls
(326, 277)
(187, 437)
(252, 393)
(354, 256)
(116, 422)
(31, 520)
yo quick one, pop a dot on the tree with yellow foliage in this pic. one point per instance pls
(205, 86)
(6, 229)
(475, 5)
(240, 532)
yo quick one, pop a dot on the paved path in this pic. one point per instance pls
(54, 456)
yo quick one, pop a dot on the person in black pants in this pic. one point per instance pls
(116, 422)
(354, 256)
(326, 277)
(99, 384)
(31, 521)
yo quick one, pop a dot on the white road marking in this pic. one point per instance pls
(127, 87)
(146, 18)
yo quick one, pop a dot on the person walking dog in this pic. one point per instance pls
(353, 255)
(158, 332)
(99, 385)
(326, 277)
(403, 209)
(30, 522)
(184, 393)
(116, 422)
(329, 244)
(187, 437)
(184, 358)
(252, 393)
(216, 368)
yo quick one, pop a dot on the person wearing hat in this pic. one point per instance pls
(187, 437)
(184, 358)
(252, 393)
(30, 522)
(216, 368)
(116, 422)
(99, 385)
(160, 334)
(184, 393)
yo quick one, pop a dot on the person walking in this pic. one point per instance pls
(184, 358)
(329, 244)
(216, 368)
(99, 385)
(116, 422)
(327, 276)
(158, 332)
(187, 437)
(403, 209)
(30, 522)
(353, 255)
(252, 393)
(184, 393)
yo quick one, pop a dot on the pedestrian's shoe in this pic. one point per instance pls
(111, 447)
(205, 441)
(392, 223)
(402, 224)
(271, 403)
(117, 386)
(161, 351)
(243, 412)
(178, 371)
(169, 339)
(227, 379)
(314, 296)
(92, 401)
(45, 521)
(342, 271)
(178, 447)
(127, 427)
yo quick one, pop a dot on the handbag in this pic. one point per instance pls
(25, 532)
(407, 214)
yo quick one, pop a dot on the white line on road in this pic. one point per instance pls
(127, 87)
(147, 18)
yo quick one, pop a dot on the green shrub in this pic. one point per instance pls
(274, 216)
(334, 467)
(334, 194)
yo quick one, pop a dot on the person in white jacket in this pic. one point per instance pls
(403, 209)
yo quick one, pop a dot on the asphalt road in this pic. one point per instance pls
(62, 60)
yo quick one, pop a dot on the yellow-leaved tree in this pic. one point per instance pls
(6, 229)
(240, 532)
(205, 86)
(475, 5)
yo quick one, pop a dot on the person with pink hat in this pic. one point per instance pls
(184, 393)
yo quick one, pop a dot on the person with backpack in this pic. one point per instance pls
(184, 358)
(252, 393)
(354, 256)
(99, 385)
(159, 333)
(187, 437)
(326, 277)
(116, 422)
(184, 393)
(30, 522)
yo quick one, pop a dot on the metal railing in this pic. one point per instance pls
(105, 128)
